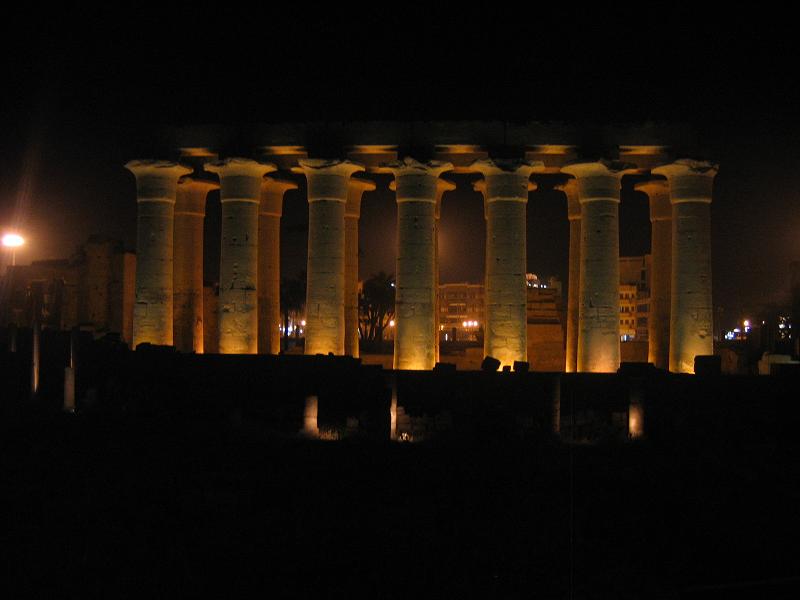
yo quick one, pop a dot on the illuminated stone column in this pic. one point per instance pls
(442, 186)
(506, 198)
(415, 296)
(570, 189)
(156, 183)
(325, 291)
(657, 191)
(598, 307)
(240, 194)
(190, 212)
(352, 213)
(269, 263)
(691, 319)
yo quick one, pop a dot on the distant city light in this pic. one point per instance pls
(13, 240)
(303, 322)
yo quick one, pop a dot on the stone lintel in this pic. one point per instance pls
(286, 157)
(644, 157)
(272, 192)
(328, 179)
(156, 180)
(461, 156)
(689, 180)
(372, 156)
(552, 156)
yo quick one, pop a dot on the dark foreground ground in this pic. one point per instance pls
(120, 508)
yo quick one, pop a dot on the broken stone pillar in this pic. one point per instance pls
(190, 212)
(156, 183)
(598, 305)
(240, 194)
(415, 295)
(269, 263)
(691, 311)
(657, 191)
(327, 198)
(570, 189)
(506, 198)
(352, 213)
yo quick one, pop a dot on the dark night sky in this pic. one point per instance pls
(81, 100)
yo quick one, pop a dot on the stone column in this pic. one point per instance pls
(691, 310)
(598, 308)
(156, 183)
(352, 213)
(442, 186)
(415, 296)
(240, 194)
(570, 189)
(506, 198)
(657, 191)
(190, 212)
(269, 263)
(327, 198)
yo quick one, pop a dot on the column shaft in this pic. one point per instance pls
(691, 312)
(570, 188)
(156, 183)
(506, 327)
(661, 273)
(269, 264)
(415, 299)
(240, 182)
(598, 316)
(355, 191)
(325, 290)
(190, 209)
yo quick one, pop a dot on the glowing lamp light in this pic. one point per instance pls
(303, 322)
(13, 240)
(391, 323)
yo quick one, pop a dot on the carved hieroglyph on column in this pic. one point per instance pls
(570, 189)
(156, 183)
(598, 308)
(327, 198)
(415, 295)
(352, 213)
(506, 199)
(442, 186)
(269, 263)
(190, 212)
(691, 312)
(657, 191)
(240, 194)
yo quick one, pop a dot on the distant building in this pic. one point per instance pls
(462, 312)
(546, 324)
(95, 289)
(634, 297)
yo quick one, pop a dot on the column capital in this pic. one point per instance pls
(597, 180)
(327, 178)
(570, 189)
(689, 180)
(416, 181)
(355, 190)
(240, 178)
(272, 192)
(190, 198)
(657, 191)
(156, 180)
(506, 179)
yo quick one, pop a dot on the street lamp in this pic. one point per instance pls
(13, 241)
